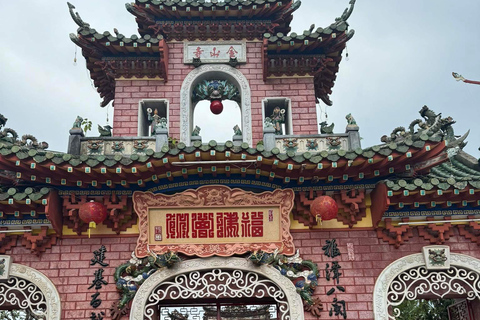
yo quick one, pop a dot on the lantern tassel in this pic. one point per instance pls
(91, 225)
(319, 219)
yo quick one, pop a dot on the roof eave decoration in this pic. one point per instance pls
(154, 14)
(315, 52)
(76, 17)
(107, 56)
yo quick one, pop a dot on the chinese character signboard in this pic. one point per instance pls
(214, 220)
(214, 52)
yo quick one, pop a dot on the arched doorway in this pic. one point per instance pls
(221, 72)
(31, 291)
(234, 279)
(408, 278)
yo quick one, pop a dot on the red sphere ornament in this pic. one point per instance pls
(92, 213)
(324, 208)
(216, 106)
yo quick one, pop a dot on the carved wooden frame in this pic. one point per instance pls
(214, 196)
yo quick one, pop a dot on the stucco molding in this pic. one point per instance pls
(225, 264)
(43, 283)
(218, 71)
(390, 273)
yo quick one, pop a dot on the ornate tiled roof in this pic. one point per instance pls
(315, 53)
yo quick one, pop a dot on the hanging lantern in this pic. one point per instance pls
(92, 213)
(216, 106)
(324, 208)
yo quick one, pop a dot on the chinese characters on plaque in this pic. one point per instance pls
(214, 52)
(213, 225)
(214, 220)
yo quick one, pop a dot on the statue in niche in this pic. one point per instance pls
(278, 118)
(157, 122)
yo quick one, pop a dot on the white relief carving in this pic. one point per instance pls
(200, 73)
(31, 290)
(406, 278)
(231, 272)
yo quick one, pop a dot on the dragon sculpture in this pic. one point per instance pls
(131, 275)
(303, 273)
(431, 124)
(10, 136)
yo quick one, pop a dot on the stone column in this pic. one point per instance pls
(161, 138)
(353, 136)
(237, 140)
(74, 141)
(269, 138)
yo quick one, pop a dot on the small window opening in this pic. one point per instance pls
(280, 112)
(159, 107)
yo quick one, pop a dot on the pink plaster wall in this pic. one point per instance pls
(67, 265)
(128, 93)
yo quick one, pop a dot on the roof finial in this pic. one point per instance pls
(76, 17)
(348, 11)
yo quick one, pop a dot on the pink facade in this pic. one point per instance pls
(128, 94)
(68, 266)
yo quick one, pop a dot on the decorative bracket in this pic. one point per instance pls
(40, 242)
(7, 241)
(396, 235)
(470, 231)
(301, 211)
(436, 234)
(353, 206)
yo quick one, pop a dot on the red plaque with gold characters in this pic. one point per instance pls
(214, 220)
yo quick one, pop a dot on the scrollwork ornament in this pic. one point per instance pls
(223, 277)
(409, 279)
(31, 290)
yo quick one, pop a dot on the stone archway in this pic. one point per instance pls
(30, 290)
(462, 278)
(219, 71)
(292, 306)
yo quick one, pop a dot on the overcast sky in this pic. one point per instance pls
(400, 59)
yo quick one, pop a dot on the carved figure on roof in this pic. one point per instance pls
(76, 17)
(278, 118)
(237, 131)
(350, 120)
(196, 131)
(429, 115)
(78, 123)
(3, 121)
(347, 12)
(396, 134)
(324, 129)
(105, 131)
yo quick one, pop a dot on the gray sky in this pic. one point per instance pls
(400, 59)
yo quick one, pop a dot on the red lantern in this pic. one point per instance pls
(216, 106)
(92, 213)
(324, 208)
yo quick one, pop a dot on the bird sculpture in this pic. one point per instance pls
(105, 131)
